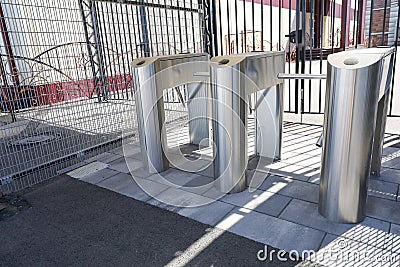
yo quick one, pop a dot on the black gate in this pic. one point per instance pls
(308, 30)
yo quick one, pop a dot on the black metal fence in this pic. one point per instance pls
(308, 30)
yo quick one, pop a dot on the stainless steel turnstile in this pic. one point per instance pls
(358, 89)
(151, 76)
(233, 78)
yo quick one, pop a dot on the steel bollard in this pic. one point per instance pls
(358, 85)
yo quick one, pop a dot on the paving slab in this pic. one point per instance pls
(390, 175)
(291, 188)
(99, 176)
(105, 157)
(125, 165)
(262, 201)
(210, 214)
(378, 188)
(174, 177)
(395, 229)
(383, 209)
(306, 213)
(304, 160)
(181, 198)
(274, 231)
(293, 171)
(126, 150)
(391, 161)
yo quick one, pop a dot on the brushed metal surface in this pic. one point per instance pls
(233, 79)
(199, 109)
(356, 80)
(151, 76)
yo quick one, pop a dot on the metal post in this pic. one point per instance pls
(145, 33)
(198, 105)
(229, 129)
(11, 92)
(92, 36)
(269, 109)
(233, 79)
(356, 80)
(150, 116)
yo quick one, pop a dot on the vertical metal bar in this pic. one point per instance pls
(303, 52)
(8, 49)
(173, 28)
(290, 54)
(113, 42)
(384, 23)
(236, 27)
(321, 26)
(179, 27)
(221, 42)
(244, 45)
(134, 30)
(122, 51)
(360, 20)
(370, 23)
(354, 20)
(279, 24)
(103, 31)
(311, 49)
(210, 18)
(271, 25)
(10, 92)
(203, 18)
(149, 31)
(130, 43)
(343, 39)
(99, 52)
(229, 27)
(186, 26)
(253, 22)
(145, 33)
(213, 28)
(262, 24)
(167, 30)
(296, 93)
(333, 24)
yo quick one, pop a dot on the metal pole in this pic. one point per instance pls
(145, 34)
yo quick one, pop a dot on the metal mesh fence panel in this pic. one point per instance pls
(65, 90)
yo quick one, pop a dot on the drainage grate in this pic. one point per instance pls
(87, 170)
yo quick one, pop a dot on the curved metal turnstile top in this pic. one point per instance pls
(172, 70)
(233, 78)
(260, 69)
(358, 89)
(364, 58)
(153, 75)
